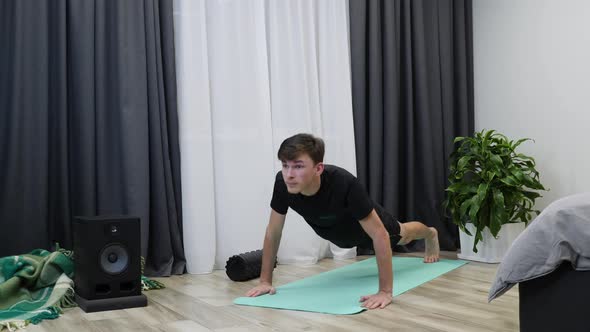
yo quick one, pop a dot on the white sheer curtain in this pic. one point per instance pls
(250, 74)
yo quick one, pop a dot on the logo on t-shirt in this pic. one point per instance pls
(325, 220)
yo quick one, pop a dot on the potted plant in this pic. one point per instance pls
(491, 186)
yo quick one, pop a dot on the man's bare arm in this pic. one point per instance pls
(272, 240)
(381, 243)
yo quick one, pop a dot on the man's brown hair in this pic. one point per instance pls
(294, 146)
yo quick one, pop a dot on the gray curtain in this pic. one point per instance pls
(412, 88)
(88, 123)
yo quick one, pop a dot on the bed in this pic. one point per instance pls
(550, 261)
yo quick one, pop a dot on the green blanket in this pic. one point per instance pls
(34, 286)
(38, 285)
(338, 291)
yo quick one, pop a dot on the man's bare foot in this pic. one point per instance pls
(432, 248)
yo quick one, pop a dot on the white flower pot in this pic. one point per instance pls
(490, 250)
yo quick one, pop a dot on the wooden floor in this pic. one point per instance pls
(456, 301)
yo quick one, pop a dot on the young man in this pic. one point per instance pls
(333, 202)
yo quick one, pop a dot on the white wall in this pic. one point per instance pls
(532, 79)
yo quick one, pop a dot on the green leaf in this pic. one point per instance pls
(523, 157)
(462, 163)
(499, 215)
(520, 141)
(532, 183)
(482, 192)
(490, 176)
(478, 235)
(465, 207)
(461, 188)
(477, 201)
(487, 136)
(529, 181)
(464, 229)
(496, 160)
(511, 181)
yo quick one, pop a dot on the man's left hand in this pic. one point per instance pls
(379, 300)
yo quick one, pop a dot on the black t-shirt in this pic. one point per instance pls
(335, 210)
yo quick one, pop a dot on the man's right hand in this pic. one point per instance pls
(261, 289)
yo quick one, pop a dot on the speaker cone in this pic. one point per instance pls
(114, 259)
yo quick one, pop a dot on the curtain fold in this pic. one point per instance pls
(92, 127)
(412, 88)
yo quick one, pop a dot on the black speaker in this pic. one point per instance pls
(107, 263)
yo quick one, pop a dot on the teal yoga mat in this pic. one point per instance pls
(338, 291)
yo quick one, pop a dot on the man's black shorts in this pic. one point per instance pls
(391, 225)
(393, 228)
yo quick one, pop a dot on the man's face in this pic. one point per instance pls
(299, 174)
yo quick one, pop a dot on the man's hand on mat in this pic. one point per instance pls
(379, 300)
(261, 289)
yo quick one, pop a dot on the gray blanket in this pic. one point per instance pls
(560, 233)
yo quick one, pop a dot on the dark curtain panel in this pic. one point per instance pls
(88, 123)
(412, 89)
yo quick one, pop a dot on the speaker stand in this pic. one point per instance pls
(114, 303)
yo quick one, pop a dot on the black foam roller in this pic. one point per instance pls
(245, 266)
